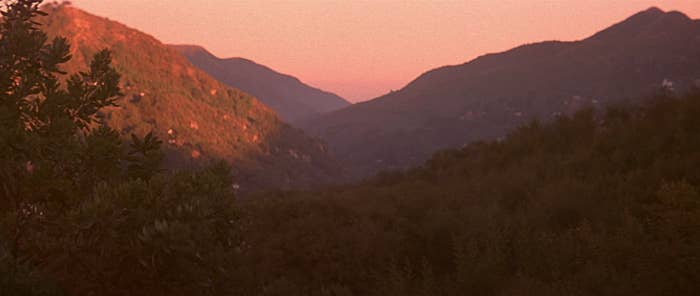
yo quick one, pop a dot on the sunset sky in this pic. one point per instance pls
(363, 49)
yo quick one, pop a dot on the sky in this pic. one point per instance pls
(361, 49)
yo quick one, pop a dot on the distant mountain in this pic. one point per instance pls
(198, 117)
(290, 98)
(489, 96)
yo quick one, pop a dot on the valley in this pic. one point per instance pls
(132, 167)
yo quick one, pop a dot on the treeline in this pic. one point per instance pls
(585, 205)
(592, 204)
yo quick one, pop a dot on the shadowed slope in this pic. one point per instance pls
(484, 98)
(290, 98)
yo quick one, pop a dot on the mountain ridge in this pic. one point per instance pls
(199, 118)
(486, 97)
(291, 98)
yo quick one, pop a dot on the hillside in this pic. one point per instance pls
(489, 96)
(580, 206)
(597, 202)
(200, 118)
(584, 205)
(290, 98)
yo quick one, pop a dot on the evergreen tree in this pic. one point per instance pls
(53, 148)
(46, 129)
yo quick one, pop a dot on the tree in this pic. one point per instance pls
(44, 127)
(53, 148)
(78, 209)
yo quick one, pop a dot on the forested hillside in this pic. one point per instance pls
(489, 96)
(596, 203)
(199, 118)
(292, 99)
(586, 205)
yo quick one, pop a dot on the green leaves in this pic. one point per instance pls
(144, 156)
(54, 54)
(92, 91)
(102, 82)
(54, 152)
(148, 145)
(153, 236)
(102, 155)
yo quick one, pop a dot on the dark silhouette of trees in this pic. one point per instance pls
(592, 204)
(49, 136)
(603, 204)
(79, 209)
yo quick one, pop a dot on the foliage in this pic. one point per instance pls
(588, 204)
(80, 213)
(201, 118)
(172, 235)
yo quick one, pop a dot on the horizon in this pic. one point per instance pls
(379, 47)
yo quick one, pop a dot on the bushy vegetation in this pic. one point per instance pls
(81, 212)
(586, 205)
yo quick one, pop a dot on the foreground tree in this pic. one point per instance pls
(80, 212)
(53, 149)
(49, 137)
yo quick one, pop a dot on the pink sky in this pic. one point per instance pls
(361, 49)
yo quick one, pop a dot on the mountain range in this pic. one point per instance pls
(562, 197)
(491, 95)
(173, 90)
(290, 98)
(199, 118)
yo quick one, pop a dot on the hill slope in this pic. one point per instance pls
(199, 117)
(578, 206)
(290, 98)
(486, 97)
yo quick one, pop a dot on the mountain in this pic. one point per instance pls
(200, 118)
(490, 95)
(562, 206)
(290, 98)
